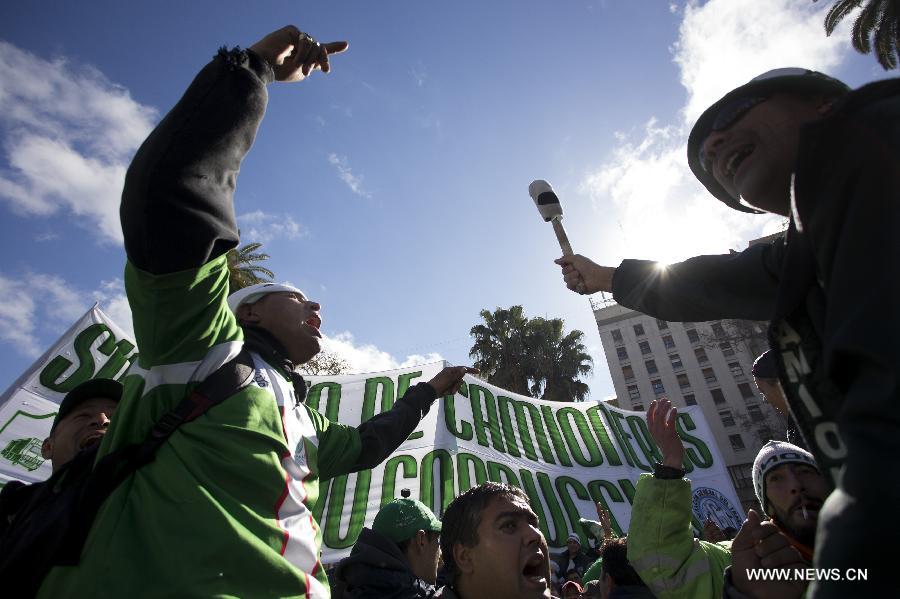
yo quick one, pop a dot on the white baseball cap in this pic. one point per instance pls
(253, 293)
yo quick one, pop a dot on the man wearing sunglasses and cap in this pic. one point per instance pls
(798, 143)
(225, 508)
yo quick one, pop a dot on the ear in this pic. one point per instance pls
(247, 313)
(421, 541)
(47, 449)
(464, 558)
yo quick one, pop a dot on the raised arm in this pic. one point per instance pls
(177, 205)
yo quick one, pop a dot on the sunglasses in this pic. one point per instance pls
(727, 116)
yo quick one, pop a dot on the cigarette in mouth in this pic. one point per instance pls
(805, 515)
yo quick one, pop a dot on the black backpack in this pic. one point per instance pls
(53, 522)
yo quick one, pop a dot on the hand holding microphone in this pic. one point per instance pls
(580, 274)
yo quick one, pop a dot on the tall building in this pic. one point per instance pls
(705, 364)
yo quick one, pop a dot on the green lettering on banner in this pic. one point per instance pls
(699, 454)
(641, 434)
(490, 422)
(555, 436)
(331, 535)
(387, 396)
(509, 436)
(495, 469)
(612, 456)
(466, 462)
(50, 375)
(628, 489)
(119, 360)
(464, 431)
(389, 482)
(525, 411)
(403, 382)
(332, 408)
(556, 513)
(566, 416)
(534, 498)
(624, 439)
(598, 490)
(318, 506)
(426, 480)
(565, 485)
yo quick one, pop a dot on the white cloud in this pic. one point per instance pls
(354, 182)
(67, 134)
(419, 74)
(36, 308)
(725, 43)
(663, 212)
(46, 236)
(264, 227)
(367, 357)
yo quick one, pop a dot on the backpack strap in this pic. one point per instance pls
(115, 467)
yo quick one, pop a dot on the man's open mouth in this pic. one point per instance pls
(315, 322)
(736, 158)
(91, 440)
(535, 570)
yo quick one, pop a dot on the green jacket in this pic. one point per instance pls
(226, 507)
(662, 548)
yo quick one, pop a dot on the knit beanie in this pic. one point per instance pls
(772, 455)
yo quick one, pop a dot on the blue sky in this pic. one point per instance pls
(394, 189)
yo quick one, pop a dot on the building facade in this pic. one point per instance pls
(705, 364)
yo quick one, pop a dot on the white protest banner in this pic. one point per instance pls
(94, 347)
(565, 456)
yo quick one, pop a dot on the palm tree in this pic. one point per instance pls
(501, 349)
(879, 22)
(531, 356)
(560, 360)
(243, 267)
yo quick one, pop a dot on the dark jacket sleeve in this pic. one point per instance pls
(385, 432)
(740, 285)
(177, 210)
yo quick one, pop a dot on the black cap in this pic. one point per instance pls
(92, 389)
(765, 366)
(786, 80)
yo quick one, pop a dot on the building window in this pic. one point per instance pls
(683, 381)
(765, 434)
(645, 347)
(690, 400)
(746, 391)
(633, 392)
(662, 324)
(668, 342)
(616, 335)
(658, 388)
(727, 418)
(710, 376)
(638, 407)
(693, 337)
(741, 476)
(718, 330)
(628, 373)
(737, 443)
(622, 353)
(755, 413)
(639, 329)
(701, 355)
(651, 366)
(727, 350)
(736, 370)
(717, 395)
(676, 362)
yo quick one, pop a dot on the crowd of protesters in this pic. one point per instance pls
(198, 477)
